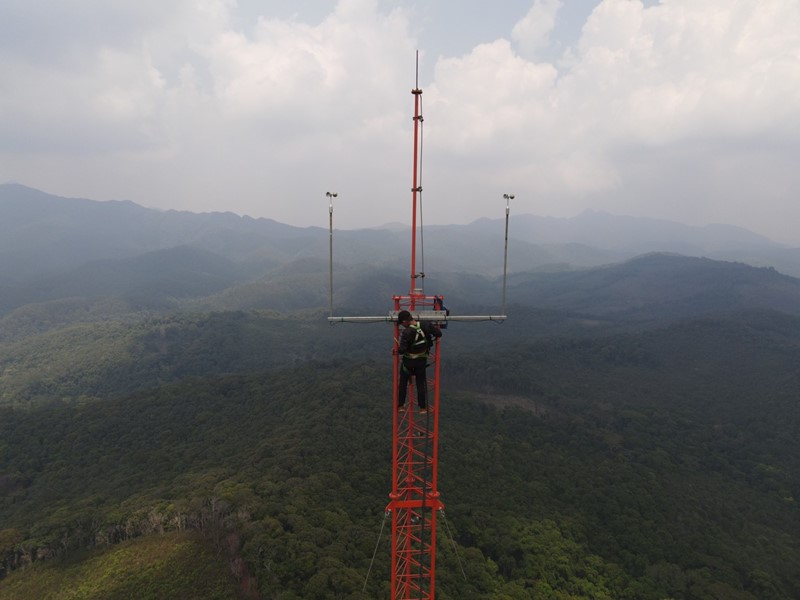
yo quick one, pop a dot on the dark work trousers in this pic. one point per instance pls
(414, 367)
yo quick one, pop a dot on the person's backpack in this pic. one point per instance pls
(430, 338)
(422, 340)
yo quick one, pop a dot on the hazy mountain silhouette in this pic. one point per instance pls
(53, 248)
(44, 234)
(664, 285)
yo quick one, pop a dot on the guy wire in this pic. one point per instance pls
(386, 514)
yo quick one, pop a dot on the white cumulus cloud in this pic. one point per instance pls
(681, 109)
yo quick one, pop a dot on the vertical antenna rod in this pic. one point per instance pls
(508, 198)
(331, 196)
(415, 183)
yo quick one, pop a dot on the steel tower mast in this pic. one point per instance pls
(414, 498)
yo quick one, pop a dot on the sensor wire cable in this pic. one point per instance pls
(375, 552)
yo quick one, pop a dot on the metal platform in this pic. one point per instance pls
(429, 315)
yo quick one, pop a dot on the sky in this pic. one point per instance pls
(687, 110)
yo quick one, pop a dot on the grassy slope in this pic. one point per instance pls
(164, 567)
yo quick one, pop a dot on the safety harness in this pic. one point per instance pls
(419, 347)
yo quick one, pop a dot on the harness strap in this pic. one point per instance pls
(419, 347)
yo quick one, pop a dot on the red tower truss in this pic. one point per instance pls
(414, 498)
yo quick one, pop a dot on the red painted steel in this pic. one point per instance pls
(415, 188)
(415, 499)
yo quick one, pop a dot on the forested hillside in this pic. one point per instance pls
(631, 432)
(635, 466)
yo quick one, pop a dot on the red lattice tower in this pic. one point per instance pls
(414, 500)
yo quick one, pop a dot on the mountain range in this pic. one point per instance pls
(53, 248)
(171, 390)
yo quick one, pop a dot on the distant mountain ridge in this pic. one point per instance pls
(40, 232)
(672, 286)
(638, 234)
(594, 238)
(54, 248)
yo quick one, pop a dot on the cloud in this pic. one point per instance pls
(308, 71)
(88, 77)
(206, 109)
(533, 32)
(187, 105)
(721, 76)
(717, 82)
(682, 69)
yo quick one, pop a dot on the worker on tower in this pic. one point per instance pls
(415, 344)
